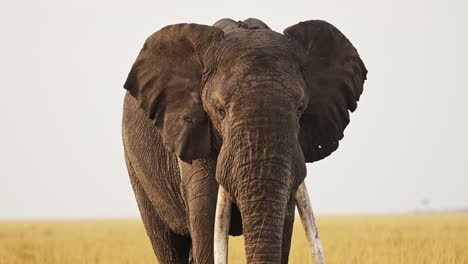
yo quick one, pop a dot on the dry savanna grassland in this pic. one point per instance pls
(438, 238)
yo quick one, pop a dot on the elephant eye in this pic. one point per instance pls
(301, 109)
(221, 113)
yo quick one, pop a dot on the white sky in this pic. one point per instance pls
(63, 64)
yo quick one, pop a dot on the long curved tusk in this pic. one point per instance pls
(308, 221)
(221, 227)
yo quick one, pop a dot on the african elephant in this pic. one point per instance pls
(237, 107)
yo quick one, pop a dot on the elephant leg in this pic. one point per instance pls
(168, 246)
(288, 230)
(200, 192)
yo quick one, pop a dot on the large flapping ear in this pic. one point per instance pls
(335, 76)
(166, 79)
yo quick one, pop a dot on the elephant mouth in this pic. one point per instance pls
(227, 212)
(235, 225)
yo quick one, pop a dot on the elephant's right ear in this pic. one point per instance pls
(335, 76)
(166, 79)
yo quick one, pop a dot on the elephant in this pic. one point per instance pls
(218, 124)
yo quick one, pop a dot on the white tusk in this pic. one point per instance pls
(221, 227)
(308, 221)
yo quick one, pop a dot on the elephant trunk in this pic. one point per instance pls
(263, 230)
(262, 189)
(263, 221)
(255, 169)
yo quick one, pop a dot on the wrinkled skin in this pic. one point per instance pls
(237, 105)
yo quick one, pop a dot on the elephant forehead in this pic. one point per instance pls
(256, 39)
(255, 61)
(260, 56)
(252, 55)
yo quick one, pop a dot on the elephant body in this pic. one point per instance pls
(189, 127)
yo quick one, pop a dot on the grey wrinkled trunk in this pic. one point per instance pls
(263, 230)
(262, 202)
(260, 181)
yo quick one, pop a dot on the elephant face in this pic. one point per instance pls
(254, 99)
(261, 102)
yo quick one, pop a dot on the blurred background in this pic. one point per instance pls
(63, 65)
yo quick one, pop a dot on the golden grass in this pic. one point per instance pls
(392, 239)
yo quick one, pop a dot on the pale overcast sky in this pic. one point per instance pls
(63, 64)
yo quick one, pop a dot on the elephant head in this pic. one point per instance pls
(260, 103)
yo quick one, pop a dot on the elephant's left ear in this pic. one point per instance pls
(166, 81)
(335, 76)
